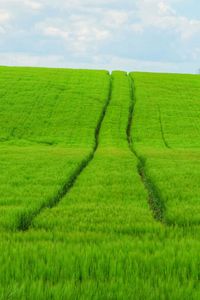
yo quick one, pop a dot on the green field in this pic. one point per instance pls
(99, 185)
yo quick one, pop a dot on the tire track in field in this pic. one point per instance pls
(154, 198)
(162, 130)
(26, 219)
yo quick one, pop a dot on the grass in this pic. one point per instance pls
(169, 142)
(126, 226)
(49, 122)
(114, 179)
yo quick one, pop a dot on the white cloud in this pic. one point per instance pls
(64, 5)
(92, 29)
(5, 16)
(79, 4)
(160, 15)
(81, 33)
(164, 8)
(115, 18)
(18, 6)
(137, 28)
(55, 32)
(23, 59)
(33, 4)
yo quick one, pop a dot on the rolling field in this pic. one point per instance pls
(169, 144)
(38, 154)
(99, 185)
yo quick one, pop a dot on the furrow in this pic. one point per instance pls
(154, 198)
(26, 219)
(162, 130)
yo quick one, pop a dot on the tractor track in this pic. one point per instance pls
(26, 219)
(155, 201)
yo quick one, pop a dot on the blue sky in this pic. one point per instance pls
(145, 35)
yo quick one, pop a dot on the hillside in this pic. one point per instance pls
(99, 185)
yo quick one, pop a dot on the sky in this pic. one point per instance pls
(130, 35)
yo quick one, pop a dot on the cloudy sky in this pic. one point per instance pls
(147, 35)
